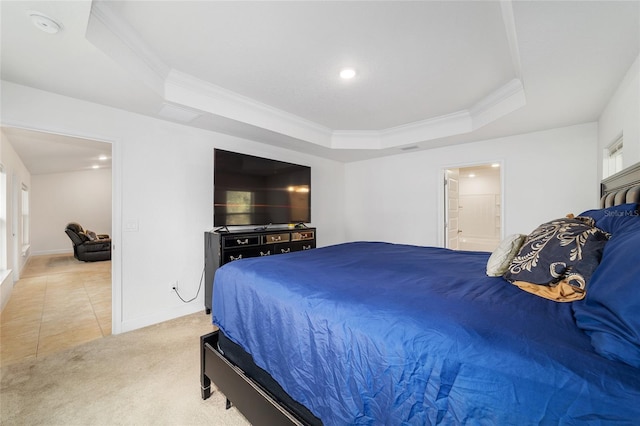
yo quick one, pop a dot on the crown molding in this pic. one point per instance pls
(502, 101)
(508, 20)
(111, 34)
(425, 130)
(356, 139)
(183, 88)
(108, 32)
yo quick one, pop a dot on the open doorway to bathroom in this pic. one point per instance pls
(473, 207)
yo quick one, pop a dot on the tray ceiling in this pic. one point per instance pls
(428, 73)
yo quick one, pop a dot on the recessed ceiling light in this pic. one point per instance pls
(494, 165)
(102, 157)
(347, 73)
(95, 166)
(44, 23)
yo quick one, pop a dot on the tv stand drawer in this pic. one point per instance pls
(237, 254)
(303, 235)
(241, 241)
(276, 238)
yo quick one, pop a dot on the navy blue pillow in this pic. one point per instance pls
(567, 249)
(613, 219)
(610, 314)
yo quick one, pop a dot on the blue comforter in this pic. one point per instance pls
(379, 333)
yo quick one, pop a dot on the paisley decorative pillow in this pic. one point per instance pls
(561, 255)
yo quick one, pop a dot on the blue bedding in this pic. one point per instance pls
(379, 333)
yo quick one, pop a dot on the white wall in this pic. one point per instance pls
(16, 174)
(546, 175)
(485, 183)
(622, 116)
(60, 198)
(163, 178)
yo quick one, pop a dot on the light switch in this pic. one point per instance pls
(131, 225)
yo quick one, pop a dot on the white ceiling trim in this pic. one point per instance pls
(116, 38)
(512, 38)
(502, 101)
(182, 88)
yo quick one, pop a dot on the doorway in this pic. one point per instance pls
(71, 180)
(473, 207)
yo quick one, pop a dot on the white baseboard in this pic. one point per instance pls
(47, 252)
(6, 287)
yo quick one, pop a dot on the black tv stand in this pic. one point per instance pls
(222, 247)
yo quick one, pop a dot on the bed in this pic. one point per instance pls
(380, 333)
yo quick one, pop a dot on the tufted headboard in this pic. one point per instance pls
(621, 188)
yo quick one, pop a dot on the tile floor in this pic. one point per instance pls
(59, 302)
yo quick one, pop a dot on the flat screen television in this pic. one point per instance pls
(252, 190)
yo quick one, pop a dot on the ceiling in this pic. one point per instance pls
(46, 153)
(428, 73)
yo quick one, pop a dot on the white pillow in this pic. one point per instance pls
(501, 258)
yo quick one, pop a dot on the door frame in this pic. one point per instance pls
(448, 203)
(443, 201)
(116, 211)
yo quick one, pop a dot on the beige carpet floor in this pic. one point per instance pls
(149, 376)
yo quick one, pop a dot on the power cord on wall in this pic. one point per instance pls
(194, 297)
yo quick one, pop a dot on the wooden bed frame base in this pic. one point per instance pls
(261, 408)
(257, 405)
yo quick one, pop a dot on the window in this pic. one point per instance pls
(3, 219)
(25, 219)
(612, 158)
